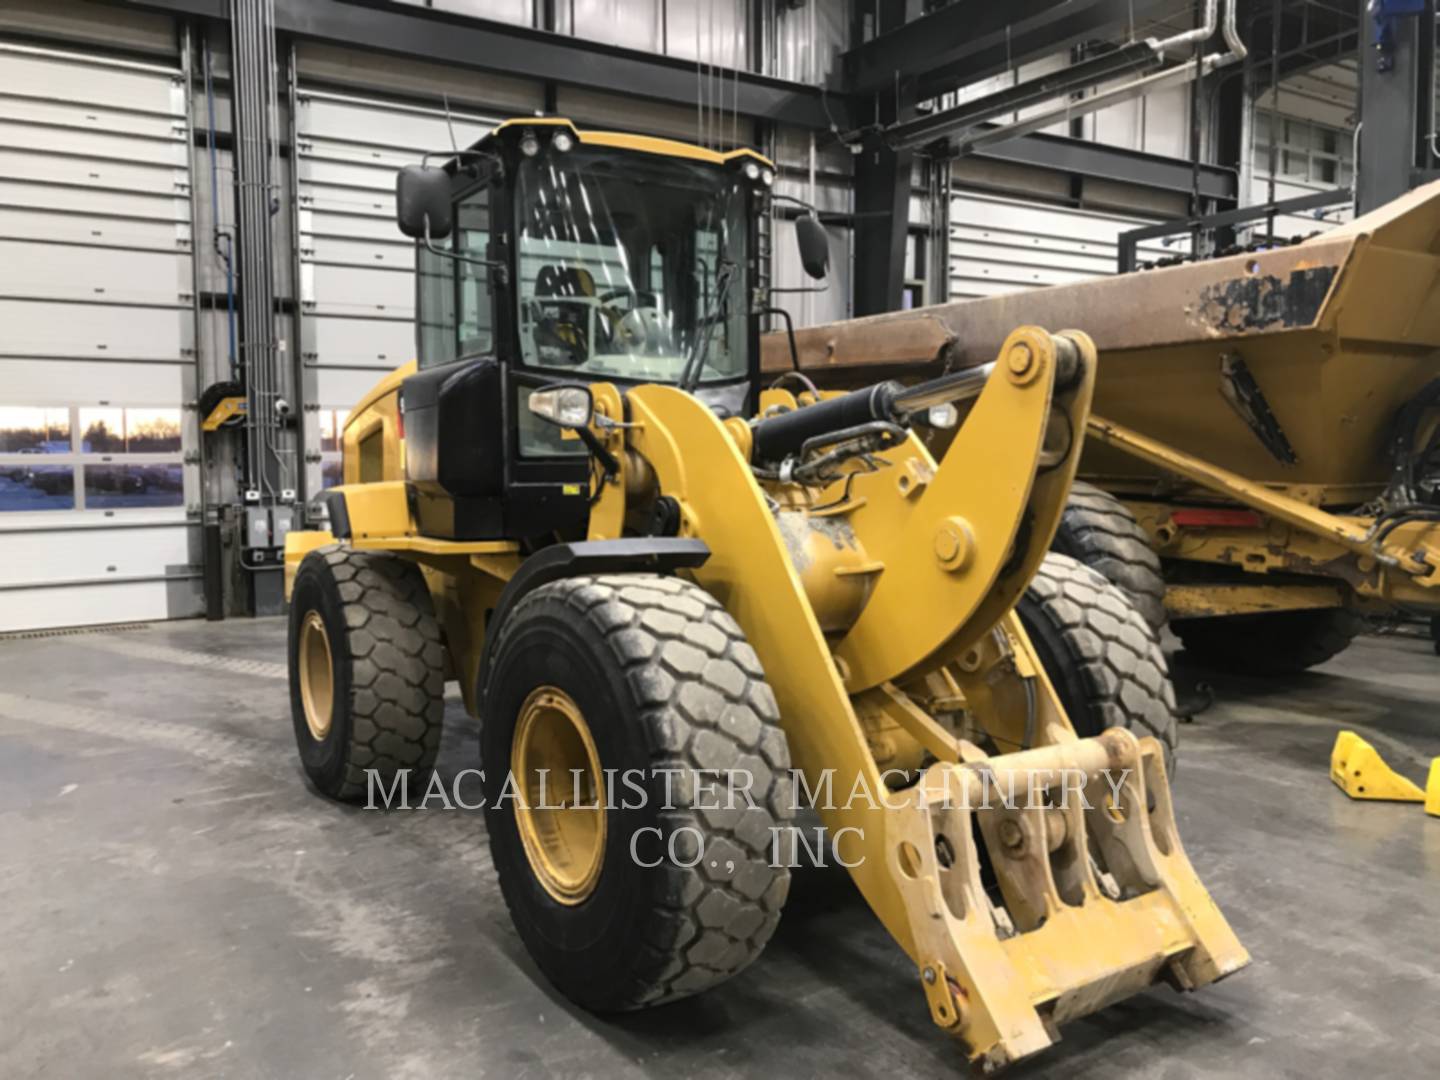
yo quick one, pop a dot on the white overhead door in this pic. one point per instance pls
(357, 285)
(97, 338)
(1000, 244)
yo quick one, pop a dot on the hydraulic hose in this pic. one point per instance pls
(777, 437)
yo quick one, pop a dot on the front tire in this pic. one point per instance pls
(367, 674)
(666, 892)
(1102, 657)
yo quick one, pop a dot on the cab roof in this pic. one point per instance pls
(645, 144)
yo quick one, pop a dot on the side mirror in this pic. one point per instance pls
(569, 406)
(814, 246)
(422, 193)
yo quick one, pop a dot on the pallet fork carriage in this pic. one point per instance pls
(699, 571)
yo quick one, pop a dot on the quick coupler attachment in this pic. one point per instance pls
(1046, 884)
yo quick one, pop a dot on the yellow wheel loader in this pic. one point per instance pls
(1265, 466)
(682, 604)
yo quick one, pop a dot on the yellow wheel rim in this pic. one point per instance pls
(559, 811)
(317, 675)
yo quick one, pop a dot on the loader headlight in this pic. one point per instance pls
(768, 177)
(564, 406)
(529, 144)
(752, 171)
(563, 142)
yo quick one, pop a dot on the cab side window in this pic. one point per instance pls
(455, 308)
(477, 316)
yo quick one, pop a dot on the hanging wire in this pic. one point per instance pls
(735, 79)
(699, 88)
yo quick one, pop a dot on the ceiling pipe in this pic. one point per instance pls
(1179, 75)
(1078, 78)
(1203, 32)
(1237, 48)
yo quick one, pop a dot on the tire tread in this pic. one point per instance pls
(704, 705)
(397, 665)
(1097, 529)
(1116, 651)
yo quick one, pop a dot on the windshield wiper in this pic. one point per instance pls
(695, 363)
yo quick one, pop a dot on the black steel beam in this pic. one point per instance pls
(882, 195)
(1397, 109)
(970, 39)
(523, 52)
(1114, 163)
(882, 217)
(1078, 76)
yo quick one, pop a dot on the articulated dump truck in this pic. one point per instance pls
(1260, 466)
(640, 558)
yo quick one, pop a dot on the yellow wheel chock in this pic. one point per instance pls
(1360, 772)
(226, 413)
(1432, 790)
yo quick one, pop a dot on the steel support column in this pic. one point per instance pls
(882, 193)
(1397, 112)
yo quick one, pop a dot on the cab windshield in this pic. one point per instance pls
(631, 267)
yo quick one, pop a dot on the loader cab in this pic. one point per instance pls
(544, 255)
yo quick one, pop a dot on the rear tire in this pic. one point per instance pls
(1102, 657)
(663, 679)
(366, 619)
(1099, 530)
(1273, 643)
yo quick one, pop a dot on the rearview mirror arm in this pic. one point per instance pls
(815, 214)
(789, 331)
(502, 272)
(797, 202)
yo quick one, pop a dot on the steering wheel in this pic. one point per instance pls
(638, 297)
(644, 329)
(567, 338)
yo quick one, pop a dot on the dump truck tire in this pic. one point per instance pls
(680, 896)
(1273, 643)
(366, 617)
(1102, 657)
(1099, 530)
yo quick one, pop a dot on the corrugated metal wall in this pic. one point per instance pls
(357, 289)
(97, 341)
(1000, 244)
(357, 286)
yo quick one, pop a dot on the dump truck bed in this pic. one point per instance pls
(1336, 332)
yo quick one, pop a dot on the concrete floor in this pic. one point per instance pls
(175, 902)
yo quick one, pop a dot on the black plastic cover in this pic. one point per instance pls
(454, 429)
